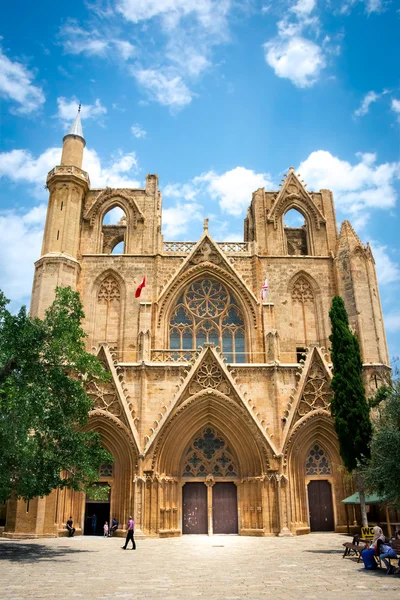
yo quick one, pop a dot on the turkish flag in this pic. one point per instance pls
(141, 285)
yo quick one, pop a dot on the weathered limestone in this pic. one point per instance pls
(209, 383)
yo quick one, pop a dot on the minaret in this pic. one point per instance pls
(68, 185)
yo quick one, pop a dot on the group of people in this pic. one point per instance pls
(380, 548)
(107, 530)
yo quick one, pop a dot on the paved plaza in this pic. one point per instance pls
(216, 568)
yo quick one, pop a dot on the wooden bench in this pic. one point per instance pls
(354, 548)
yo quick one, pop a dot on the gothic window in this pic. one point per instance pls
(304, 312)
(114, 231)
(209, 455)
(295, 233)
(107, 322)
(106, 470)
(317, 462)
(207, 312)
(317, 392)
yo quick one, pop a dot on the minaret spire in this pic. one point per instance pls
(76, 127)
(74, 143)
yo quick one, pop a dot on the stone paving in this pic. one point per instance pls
(217, 568)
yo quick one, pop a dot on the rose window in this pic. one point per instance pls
(207, 313)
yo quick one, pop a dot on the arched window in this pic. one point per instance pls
(304, 313)
(295, 229)
(207, 312)
(108, 309)
(114, 231)
(317, 463)
(209, 455)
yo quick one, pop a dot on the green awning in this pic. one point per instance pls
(355, 499)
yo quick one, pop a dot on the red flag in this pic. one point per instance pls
(141, 285)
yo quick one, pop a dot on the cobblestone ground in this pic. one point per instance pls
(216, 568)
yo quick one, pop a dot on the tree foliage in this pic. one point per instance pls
(349, 406)
(44, 407)
(382, 474)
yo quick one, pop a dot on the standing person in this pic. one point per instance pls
(94, 524)
(105, 529)
(129, 535)
(114, 526)
(71, 529)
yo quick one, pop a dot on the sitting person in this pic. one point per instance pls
(114, 526)
(385, 551)
(378, 535)
(368, 558)
(70, 528)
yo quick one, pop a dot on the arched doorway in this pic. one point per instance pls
(209, 506)
(319, 489)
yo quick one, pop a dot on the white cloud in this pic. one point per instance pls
(138, 132)
(233, 189)
(16, 85)
(67, 110)
(21, 167)
(167, 89)
(21, 236)
(373, 5)
(356, 187)
(303, 7)
(177, 219)
(387, 271)
(368, 99)
(294, 56)
(77, 40)
(396, 107)
(297, 59)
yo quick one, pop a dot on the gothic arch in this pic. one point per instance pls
(236, 288)
(108, 307)
(116, 438)
(214, 409)
(315, 428)
(306, 307)
(106, 201)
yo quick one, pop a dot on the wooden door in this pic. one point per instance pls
(225, 511)
(194, 508)
(320, 506)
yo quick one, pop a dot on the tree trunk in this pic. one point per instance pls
(361, 492)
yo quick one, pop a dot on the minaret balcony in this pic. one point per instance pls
(68, 170)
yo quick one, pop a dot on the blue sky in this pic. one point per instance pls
(219, 97)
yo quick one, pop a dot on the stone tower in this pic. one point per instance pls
(219, 399)
(68, 185)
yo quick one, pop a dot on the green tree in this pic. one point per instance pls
(44, 407)
(382, 474)
(349, 406)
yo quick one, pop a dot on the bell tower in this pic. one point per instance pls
(67, 185)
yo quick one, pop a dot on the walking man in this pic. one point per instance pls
(129, 535)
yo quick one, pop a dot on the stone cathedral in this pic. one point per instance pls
(217, 412)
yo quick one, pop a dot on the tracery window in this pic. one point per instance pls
(304, 312)
(207, 312)
(317, 462)
(107, 321)
(106, 470)
(209, 454)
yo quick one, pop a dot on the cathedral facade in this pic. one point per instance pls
(217, 411)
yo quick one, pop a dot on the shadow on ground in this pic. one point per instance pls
(333, 551)
(32, 553)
